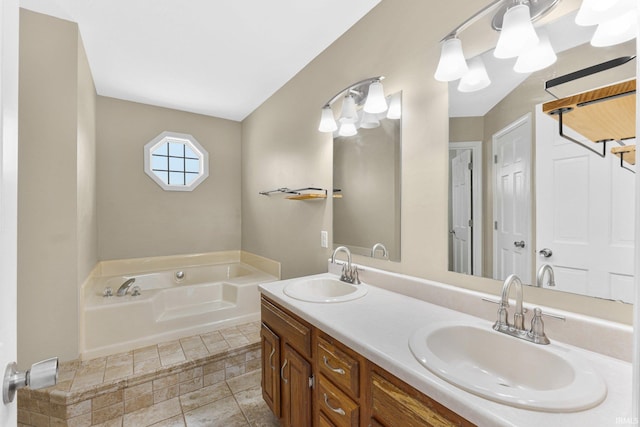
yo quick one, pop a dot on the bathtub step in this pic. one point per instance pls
(194, 309)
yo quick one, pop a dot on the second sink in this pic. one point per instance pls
(508, 370)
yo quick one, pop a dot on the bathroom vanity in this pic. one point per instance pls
(348, 363)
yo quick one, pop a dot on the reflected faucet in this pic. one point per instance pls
(544, 268)
(124, 288)
(382, 247)
(349, 273)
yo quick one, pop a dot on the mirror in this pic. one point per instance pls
(366, 182)
(543, 200)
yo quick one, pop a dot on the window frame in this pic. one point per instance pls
(182, 138)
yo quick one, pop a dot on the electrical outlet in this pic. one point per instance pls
(324, 239)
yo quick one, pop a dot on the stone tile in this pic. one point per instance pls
(79, 421)
(169, 347)
(146, 366)
(167, 359)
(221, 413)
(107, 413)
(196, 353)
(237, 341)
(191, 385)
(138, 390)
(204, 396)
(190, 374)
(69, 411)
(138, 402)
(232, 332)
(163, 394)
(86, 381)
(213, 378)
(118, 372)
(218, 347)
(145, 353)
(120, 360)
(253, 365)
(234, 371)
(107, 399)
(153, 414)
(116, 422)
(213, 367)
(24, 416)
(191, 342)
(253, 354)
(244, 382)
(235, 360)
(177, 421)
(212, 337)
(166, 381)
(255, 409)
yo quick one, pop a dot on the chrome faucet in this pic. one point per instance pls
(382, 247)
(124, 288)
(349, 272)
(536, 333)
(544, 268)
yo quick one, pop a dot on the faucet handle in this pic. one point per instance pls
(537, 328)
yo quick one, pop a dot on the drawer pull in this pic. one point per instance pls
(273, 350)
(282, 371)
(336, 410)
(331, 368)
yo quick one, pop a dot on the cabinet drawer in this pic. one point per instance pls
(293, 330)
(338, 367)
(335, 405)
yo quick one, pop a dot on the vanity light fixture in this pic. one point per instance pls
(616, 20)
(518, 34)
(477, 77)
(540, 56)
(368, 94)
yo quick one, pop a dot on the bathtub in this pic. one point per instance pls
(173, 303)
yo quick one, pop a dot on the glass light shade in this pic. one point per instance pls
(347, 129)
(395, 106)
(369, 120)
(452, 64)
(349, 113)
(517, 33)
(477, 77)
(376, 102)
(327, 122)
(537, 58)
(617, 30)
(594, 12)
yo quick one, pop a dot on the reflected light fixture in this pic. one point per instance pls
(477, 77)
(452, 65)
(537, 58)
(368, 94)
(617, 20)
(395, 106)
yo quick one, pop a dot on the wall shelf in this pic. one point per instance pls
(307, 193)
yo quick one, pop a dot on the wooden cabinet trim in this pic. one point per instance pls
(336, 405)
(295, 331)
(338, 366)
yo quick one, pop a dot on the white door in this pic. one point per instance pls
(461, 214)
(8, 191)
(512, 201)
(585, 215)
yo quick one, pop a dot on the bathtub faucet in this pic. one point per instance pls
(124, 288)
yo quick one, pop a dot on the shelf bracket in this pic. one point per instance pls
(560, 112)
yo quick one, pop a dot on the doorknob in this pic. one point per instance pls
(42, 374)
(546, 252)
(519, 244)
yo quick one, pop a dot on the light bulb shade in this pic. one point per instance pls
(537, 58)
(517, 33)
(594, 12)
(348, 113)
(617, 30)
(477, 77)
(369, 121)
(452, 64)
(376, 102)
(347, 129)
(395, 106)
(327, 122)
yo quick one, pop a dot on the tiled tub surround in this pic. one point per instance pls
(379, 324)
(202, 380)
(212, 291)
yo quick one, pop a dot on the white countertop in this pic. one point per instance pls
(379, 324)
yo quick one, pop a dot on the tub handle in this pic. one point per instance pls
(282, 371)
(273, 350)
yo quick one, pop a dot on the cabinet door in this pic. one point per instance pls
(296, 392)
(270, 369)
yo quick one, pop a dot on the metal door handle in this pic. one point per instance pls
(273, 350)
(336, 410)
(42, 374)
(331, 368)
(519, 244)
(546, 252)
(284, 365)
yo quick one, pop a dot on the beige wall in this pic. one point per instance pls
(137, 218)
(282, 147)
(57, 243)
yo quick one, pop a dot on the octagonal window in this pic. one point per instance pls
(176, 161)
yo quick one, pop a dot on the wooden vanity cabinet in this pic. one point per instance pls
(348, 390)
(286, 365)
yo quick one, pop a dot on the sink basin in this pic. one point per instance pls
(508, 370)
(324, 290)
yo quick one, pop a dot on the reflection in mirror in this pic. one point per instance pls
(532, 197)
(366, 182)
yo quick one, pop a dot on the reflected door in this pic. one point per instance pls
(585, 214)
(512, 201)
(461, 212)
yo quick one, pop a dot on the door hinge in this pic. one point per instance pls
(495, 159)
(495, 225)
(470, 166)
(471, 223)
(311, 382)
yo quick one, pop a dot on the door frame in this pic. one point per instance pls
(476, 176)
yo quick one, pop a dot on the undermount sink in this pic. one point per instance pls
(324, 290)
(508, 370)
